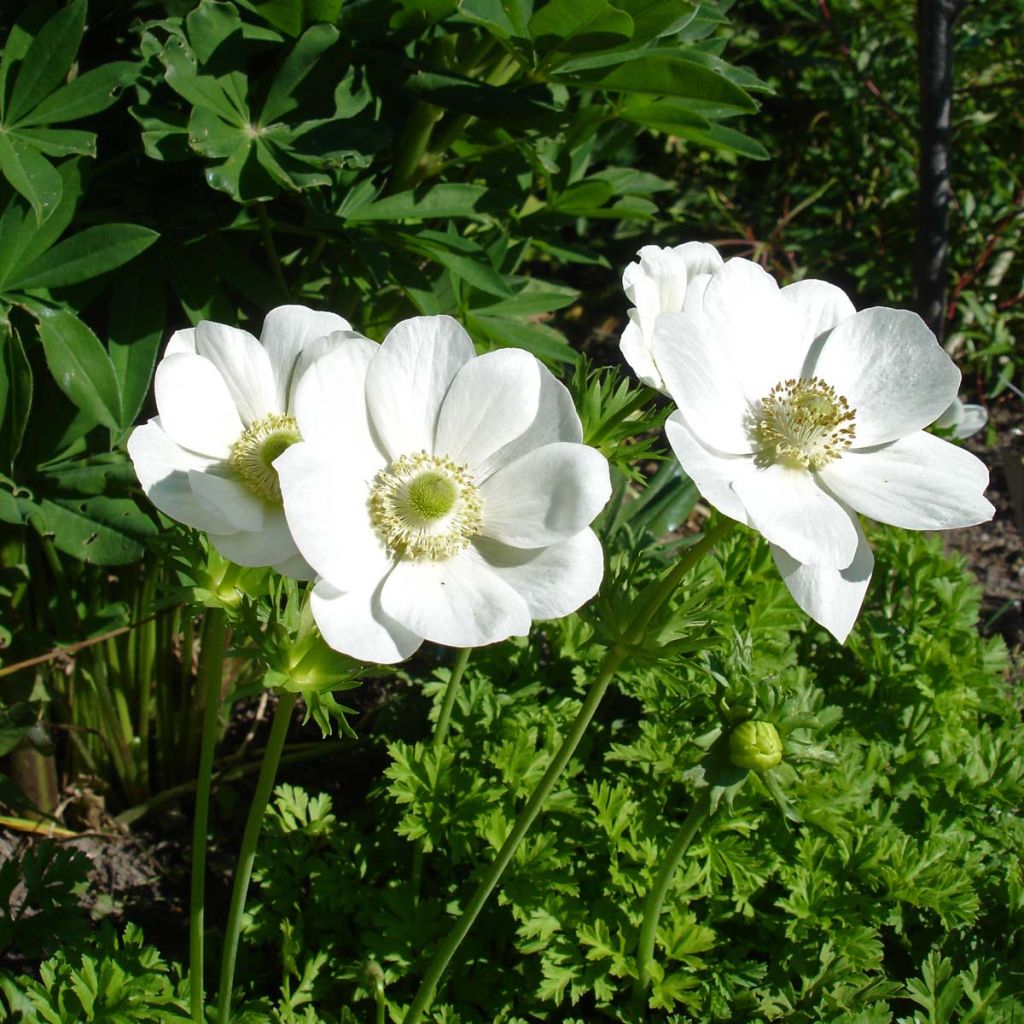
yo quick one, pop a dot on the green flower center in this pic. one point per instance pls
(252, 455)
(801, 423)
(425, 507)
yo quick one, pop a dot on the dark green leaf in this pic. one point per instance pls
(292, 16)
(210, 25)
(105, 531)
(88, 254)
(81, 367)
(574, 25)
(506, 19)
(47, 61)
(57, 141)
(544, 342)
(31, 174)
(18, 399)
(462, 257)
(536, 297)
(718, 136)
(527, 107)
(298, 64)
(199, 90)
(450, 200)
(655, 18)
(87, 94)
(135, 326)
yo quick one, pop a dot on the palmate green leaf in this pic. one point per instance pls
(655, 18)
(200, 90)
(102, 530)
(444, 201)
(574, 25)
(528, 107)
(462, 256)
(17, 403)
(80, 366)
(57, 141)
(85, 255)
(89, 93)
(505, 19)
(47, 61)
(292, 16)
(31, 174)
(543, 341)
(297, 65)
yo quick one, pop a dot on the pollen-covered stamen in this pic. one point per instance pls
(801, 423)
(425, 506)
(253, 454)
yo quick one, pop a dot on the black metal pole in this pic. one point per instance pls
(935, 20)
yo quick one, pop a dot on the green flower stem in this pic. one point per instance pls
(440, 734)
(522, 824)
(656, 897)
(247, 851)
(267, 231)
(610, 664)
(211, 663)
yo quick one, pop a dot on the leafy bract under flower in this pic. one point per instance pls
(224, 400)
(796, 412)
(439, 494)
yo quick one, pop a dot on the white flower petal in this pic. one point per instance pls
(636, 350)
(181, 341)
(196, 408)
(973, 418)
(832, 597)
(325, 501)
(409, 377)
(245, 367)
(555, 580)
(316, 350)
(330, 398)
(820, 305)
(763, 335)
(919, 482)
(355, 624)
(547, 495)
(711, 471)
(287, 330)
(890, 368)
(268, 546)
(556, 420)
(460, 602)
(791, 509)
(491, 401)
(702, 381)
(230, 499)
(163, 468)
(296, 567)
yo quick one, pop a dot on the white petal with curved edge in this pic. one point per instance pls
(491, 402)
(548, 495)
(287, 330)
(228, 498)
(553, 581)
(354, 623)
(791, 509)
(163, 468)
(703, 382)
(711, 471)
(409, 377)
(820, 305)
(698, 258)
(296, 567)
(919, 482)
(762, 335)
(636, 350)
(181, 341)
(892, 371)
(330, 399)
(245, 366)
(460, 602)
(556, 420)
(832, 597)
(316, 350)
(196, 408)
(268, 546)
(325, 501)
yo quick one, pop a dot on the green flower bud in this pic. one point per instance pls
(755, 745)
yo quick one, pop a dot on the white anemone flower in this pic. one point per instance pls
(439, 495)
(662, 280)
(224, 401)
(796, 412)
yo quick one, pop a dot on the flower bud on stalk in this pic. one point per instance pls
(755, 745)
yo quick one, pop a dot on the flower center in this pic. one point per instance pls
(801, 423)
(253, 454)
(425, 506)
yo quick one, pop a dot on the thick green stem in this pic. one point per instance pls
(614, 657)
(247, 852)
(522, 824)
(659, 889)
(413, 144)
(211, 663)
(267, 231)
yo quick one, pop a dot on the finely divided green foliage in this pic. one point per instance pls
(862, 880)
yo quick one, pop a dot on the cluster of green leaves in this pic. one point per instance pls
(860, 881)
